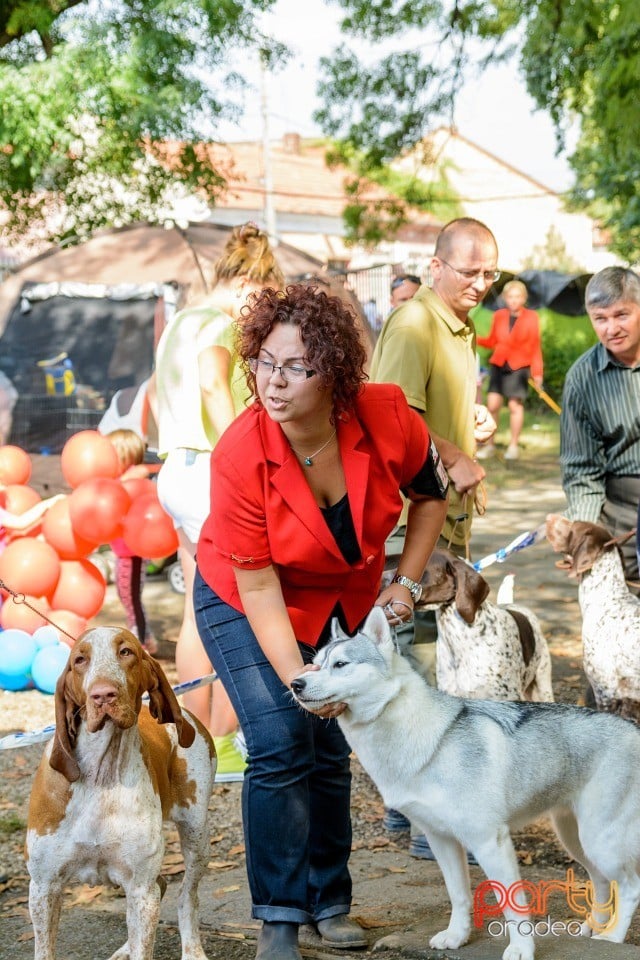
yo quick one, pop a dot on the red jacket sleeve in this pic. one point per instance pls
(240, 530)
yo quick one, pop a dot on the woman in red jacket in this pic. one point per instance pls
(305, 490)
(515, 335)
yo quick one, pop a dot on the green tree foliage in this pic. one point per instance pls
(105, 104)
(370, 218)
(580, 60)
(583, 60)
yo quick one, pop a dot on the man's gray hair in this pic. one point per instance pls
(611, 285)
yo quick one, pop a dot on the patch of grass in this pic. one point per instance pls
(11, 823)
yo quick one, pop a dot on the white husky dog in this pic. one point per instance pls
(467, 771)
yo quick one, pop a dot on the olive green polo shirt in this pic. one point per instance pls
(431, 355)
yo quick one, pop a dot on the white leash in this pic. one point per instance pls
(14, 740)
(523, 540)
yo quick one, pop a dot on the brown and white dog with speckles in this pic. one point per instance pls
(113, 772)
(484, 650)
(610, 612)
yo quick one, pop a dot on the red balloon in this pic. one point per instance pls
(21, 617)
(97, 509)
(70, 622)
(86, 455)
(148, 530)
(15, 465)
(30, 566)
(138, 486)
(58, 531)
(81, 589)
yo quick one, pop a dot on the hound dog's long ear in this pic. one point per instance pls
(471, 590)
(163, 704)
(67, 711)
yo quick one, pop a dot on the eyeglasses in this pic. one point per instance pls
(398, 281)
(489, 276)
(290, 372)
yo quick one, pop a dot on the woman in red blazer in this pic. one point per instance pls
(515, 335)
(305, 489)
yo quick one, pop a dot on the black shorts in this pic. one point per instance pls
(512, 384)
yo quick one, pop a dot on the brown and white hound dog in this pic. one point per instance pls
(113, 772)
(484, 650)
(610, 612)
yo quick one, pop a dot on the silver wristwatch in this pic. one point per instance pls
(414, 588)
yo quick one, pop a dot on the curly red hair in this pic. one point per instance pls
(333, 347)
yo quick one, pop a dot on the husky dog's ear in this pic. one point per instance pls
(337, 633)
(377, 628)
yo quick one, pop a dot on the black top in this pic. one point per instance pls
(340, 522)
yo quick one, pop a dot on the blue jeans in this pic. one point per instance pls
(297, 787)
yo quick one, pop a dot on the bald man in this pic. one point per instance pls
(428, 347)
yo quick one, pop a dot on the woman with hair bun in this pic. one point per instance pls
(200, 389)
(305, 489)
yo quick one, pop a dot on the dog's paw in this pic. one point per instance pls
(586, 930)
(449, 939)
(519, 951)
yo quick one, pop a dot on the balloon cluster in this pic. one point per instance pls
(32, 660)
(48, 562)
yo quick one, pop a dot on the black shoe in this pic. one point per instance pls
(420, 849)
(341, 932)
(394, 821)
(278, 941)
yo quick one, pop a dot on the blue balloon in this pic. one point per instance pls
(18, 682)
(17, 650)
(48, 664)
(46, 636)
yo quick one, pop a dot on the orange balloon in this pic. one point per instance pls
(86, 455)
(21, 617)
(81, 589)
(58, 531)
(148, 530)
(67, 620)
(97, 508)
(30, 566)
(19, 498)
(15, 465)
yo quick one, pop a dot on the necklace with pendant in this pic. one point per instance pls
(308, 461)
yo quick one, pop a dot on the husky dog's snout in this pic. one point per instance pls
(298, 685)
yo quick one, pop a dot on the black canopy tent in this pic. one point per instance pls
(107, 334)
(561, 292)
